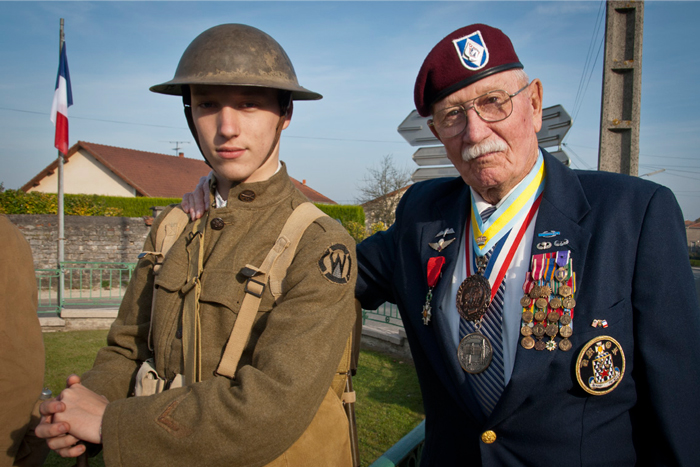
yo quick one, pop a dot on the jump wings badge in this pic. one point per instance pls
(600, 365)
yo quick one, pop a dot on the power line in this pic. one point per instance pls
(579, 92)
(183, 128)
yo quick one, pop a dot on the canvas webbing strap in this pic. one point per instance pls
(167, 234)
(191, 331)
(275, 265)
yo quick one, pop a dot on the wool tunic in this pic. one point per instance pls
(286, 368)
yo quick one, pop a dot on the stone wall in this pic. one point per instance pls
(88, 238)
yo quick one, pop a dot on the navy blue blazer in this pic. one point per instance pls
(627, 241)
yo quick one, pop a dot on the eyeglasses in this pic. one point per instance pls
(493, 106)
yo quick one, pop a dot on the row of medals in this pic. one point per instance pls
(547, 312)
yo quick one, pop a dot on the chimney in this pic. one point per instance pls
(303, 182)
(182, 154)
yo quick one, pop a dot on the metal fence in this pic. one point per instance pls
(86, 284)
(406, 452)
(387, 313)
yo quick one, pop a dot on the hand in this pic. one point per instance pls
(56, 432)
(83, 411)
(196, 202)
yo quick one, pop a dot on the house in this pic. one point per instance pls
(383, 209)
(692, 233)
(91, 168)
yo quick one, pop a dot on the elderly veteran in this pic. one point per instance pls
(551, 313)
(233, 358)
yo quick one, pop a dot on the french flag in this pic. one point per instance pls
(62, 99)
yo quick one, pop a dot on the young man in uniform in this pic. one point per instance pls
(280, 406)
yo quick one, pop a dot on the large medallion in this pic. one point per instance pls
(474, 353)
(474, 297)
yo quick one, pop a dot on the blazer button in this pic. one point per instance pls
(488, 436)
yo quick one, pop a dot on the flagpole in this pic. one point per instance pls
(61, 233)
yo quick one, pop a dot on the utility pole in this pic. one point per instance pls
(622, 88)
(61, 226)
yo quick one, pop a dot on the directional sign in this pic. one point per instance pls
(416, 131)
(427, 173)
(555, 124)
(433, 161)
(435, 155)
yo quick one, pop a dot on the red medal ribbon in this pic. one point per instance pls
(434, 269)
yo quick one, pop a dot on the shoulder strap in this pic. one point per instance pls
(275, 266)
(168, 232)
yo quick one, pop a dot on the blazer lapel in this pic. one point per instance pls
(452, 212)
(563, 205)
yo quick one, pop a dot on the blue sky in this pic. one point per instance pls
(362, 56)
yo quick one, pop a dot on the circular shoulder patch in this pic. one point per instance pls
(336, 264)
(600, 365)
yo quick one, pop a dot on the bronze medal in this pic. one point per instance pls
(538, 330)
(526, 331)
(474, 297)
(535, 292)
(551, 330)
(566, 331)
(565, 319)
(600, 365)
(569, 302)
(540, 345)
(527, 316)
(541, 303)
(474, 353)
(525, 302)
(553, 317)
(555, 303)
(565, 290)
(539, 315)
(527, 342)
(565, 345)
(545, 291)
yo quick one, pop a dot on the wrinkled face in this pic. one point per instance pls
(494, 157)
(236, 127)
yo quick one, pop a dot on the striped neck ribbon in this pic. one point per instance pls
(485, 235)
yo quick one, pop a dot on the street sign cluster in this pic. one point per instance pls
(432, 159)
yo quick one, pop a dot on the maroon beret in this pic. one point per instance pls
(460, 59)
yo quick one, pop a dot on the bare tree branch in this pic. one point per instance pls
(380, 190)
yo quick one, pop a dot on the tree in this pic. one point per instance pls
(381, 189)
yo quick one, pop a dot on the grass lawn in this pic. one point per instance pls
(388, 396)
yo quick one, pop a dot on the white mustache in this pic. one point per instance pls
(485, 147)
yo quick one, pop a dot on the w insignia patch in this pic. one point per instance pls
(336, 264)
(472, 51)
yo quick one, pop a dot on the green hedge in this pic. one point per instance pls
(19, 202)
(137, 207)
(344, 213)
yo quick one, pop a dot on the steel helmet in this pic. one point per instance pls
(235, 55)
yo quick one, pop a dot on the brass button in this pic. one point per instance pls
(247, 196)
(217, 223)
(178, 334)
(488, 436)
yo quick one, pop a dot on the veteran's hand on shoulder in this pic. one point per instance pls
(197, 202)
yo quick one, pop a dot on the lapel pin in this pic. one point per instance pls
(441, 244)
(445, 232)
(548, 233)
(544, 245)
(561, 242)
